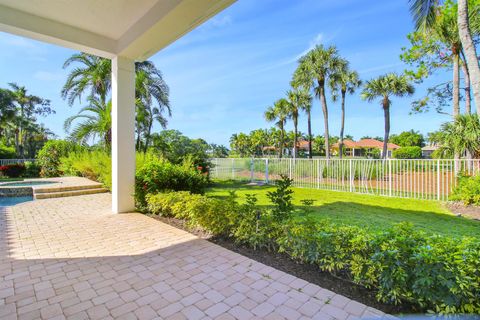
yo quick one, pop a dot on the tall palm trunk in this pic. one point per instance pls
(469, 50)
(309, 124)
(386, 116)
(466, 80)
(456, 82)
(295, 136)
(147, 138)
(342, 126)
(456, 91)
(323, 100)
(280, 147)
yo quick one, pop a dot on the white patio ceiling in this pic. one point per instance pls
(134, 29)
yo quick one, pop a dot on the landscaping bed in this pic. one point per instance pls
(307, 272)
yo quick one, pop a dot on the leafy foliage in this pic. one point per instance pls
(467, 190)
(160, 175)
(95, 165)
(12, 170)
(7, 152)
(408, 153)
(49, 156)
(282, 198)
(410, 138)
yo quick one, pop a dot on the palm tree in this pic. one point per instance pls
(341, 83)
(424, 14)
(314, 70)
(27, 107)
(462, 136)
(97, 122)
(151, 100)
(279, 113)
(297, 99)
(93, 77)
(384, 87)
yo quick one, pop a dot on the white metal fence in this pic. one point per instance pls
(421, 179)
(4, 162)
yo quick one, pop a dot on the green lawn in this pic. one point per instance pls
(373, 212)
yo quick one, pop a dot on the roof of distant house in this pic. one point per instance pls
(430, 148)
(366, 143)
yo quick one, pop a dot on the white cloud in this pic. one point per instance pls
(48, 76)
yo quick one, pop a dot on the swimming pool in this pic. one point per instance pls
(26, 183)
(11, 201)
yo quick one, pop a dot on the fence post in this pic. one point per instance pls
(251, 170)
(318, 173)
(350, 174)
(438, 179)
(389, 177)
(266, 171)
(290, 169)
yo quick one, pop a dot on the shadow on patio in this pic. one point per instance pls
(72, 258)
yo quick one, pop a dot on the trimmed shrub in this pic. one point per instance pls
(408, 153)
(12, 170)
(49, 156)
(94, 165)
(159, 175)
(32, 170)
(467, 190)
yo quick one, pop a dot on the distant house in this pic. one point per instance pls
(428, 150)
(364, 147)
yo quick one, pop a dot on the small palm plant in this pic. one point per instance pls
(343, 82)
(384, 87)
(279, 114)
(297, 99)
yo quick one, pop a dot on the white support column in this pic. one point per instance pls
(123, 134)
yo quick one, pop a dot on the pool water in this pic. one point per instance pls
(25, 183)
(11, 201)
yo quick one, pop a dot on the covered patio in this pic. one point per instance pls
(122, 30)
(71, 258)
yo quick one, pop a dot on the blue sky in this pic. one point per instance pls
(224, 74)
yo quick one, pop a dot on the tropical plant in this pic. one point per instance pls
(313, 72)
(410, 138)
(343, 82)
(462, 136)
(97, 122)
(425, 12)
(384, 87)
(297, 99)
(26, 108)
(279, 114)
(92, 77)
(151, 100)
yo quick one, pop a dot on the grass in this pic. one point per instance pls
(373, 212)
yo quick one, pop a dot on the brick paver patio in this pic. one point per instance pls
(71, 258)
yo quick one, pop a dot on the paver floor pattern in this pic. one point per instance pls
(71, 258)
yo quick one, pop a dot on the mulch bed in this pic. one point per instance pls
(307, 272)
(462, 210)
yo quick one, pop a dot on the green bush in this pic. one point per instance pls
(159, 175)
(94, 165)
(401, 264)
(7, 152)
(32, 170)
(48, 158)
(408, 153)
(467, 190)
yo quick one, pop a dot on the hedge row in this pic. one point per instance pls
(401, 264)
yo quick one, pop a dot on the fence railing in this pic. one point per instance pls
(4, 162)
(431, 179)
